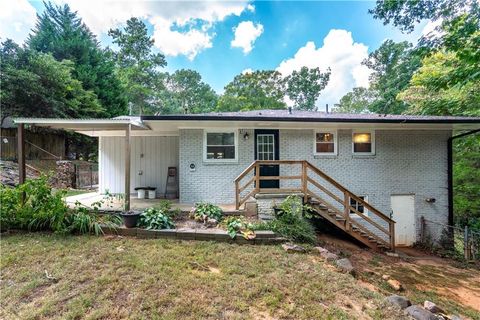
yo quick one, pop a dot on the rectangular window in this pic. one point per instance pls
(220, 146)
(358, 206)
(325, 143)
(265, 147)
(363, 142)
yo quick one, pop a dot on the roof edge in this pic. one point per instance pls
(293, 119)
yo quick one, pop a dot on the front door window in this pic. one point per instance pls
(265, 147)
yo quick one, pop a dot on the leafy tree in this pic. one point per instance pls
(405, 14)
(138, 66)
(356, 101)
(304, 86)
(34, 84)
(187, 93)
(436, 90)
(466, 180)
(60, 32)
(263, 89)
(393, 65)
(448, 83)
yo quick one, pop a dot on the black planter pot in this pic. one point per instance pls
(130, 219)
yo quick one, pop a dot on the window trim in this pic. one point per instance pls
(366, 212)
(335, 142)
(372, 136)
(273, 144)
(220, 130)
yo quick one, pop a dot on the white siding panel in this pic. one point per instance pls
(159, 153)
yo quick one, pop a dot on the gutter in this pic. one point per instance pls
(450, 172)
(305, 119)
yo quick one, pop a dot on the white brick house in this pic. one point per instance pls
(398, 164)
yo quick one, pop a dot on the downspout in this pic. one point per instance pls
(450, 172)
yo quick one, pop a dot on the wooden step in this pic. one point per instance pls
(338, 220)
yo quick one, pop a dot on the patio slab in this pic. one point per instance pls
(116, 204)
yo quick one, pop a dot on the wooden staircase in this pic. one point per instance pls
(328, 199)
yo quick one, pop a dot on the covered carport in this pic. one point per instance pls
(122, 126)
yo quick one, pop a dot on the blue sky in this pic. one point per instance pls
(222, 39)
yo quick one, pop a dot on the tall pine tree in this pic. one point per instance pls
(60, 32)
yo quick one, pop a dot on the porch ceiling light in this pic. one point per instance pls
(246, 136)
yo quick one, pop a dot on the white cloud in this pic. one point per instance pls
(432, 29)
(245, 35)
(180, 27)
(339, 53)
(248, 70)
(17, 18)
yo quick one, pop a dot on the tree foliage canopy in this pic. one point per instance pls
(35, 84)
(304, 86)
(187, 93)
(138, 67)
(393, 65)
(263, 89)
(356, 101)
(60, 32)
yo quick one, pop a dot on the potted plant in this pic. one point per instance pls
(130, 218)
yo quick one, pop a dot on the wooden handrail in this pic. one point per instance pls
(305, 179)
(245, 172)
(352, 195)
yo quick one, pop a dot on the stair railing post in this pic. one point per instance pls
(304, 181)
(237, 196)
(346, 210)
(392, 235)
(257, 177)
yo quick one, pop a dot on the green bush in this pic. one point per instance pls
(155, 219)
(165, 206)
(204, 211)
(34, 206)
(291, 222)
(236, 225)
(83, 220)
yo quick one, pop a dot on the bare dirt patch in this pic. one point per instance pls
(454, 286)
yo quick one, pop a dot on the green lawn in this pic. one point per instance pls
(74, 192)
(119, 278)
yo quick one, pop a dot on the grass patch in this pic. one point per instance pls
(127, 278)
(72, 192)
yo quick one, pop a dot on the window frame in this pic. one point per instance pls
(335, 142)
(365, 210)
(372, 141)
(220, 130)
(273, 145)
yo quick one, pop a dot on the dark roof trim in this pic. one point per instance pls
(293, 119)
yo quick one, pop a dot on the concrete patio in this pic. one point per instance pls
(115, 203)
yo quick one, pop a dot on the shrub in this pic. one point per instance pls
(82, 220)
(236, 225)
(291, 221)
(155, 219)
(204, 211)
(34, 206)
(165, 206)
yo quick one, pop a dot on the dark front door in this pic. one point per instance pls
(266, 148)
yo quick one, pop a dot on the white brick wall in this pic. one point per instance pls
(406, 162)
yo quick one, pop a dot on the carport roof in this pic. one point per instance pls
(85, 125)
